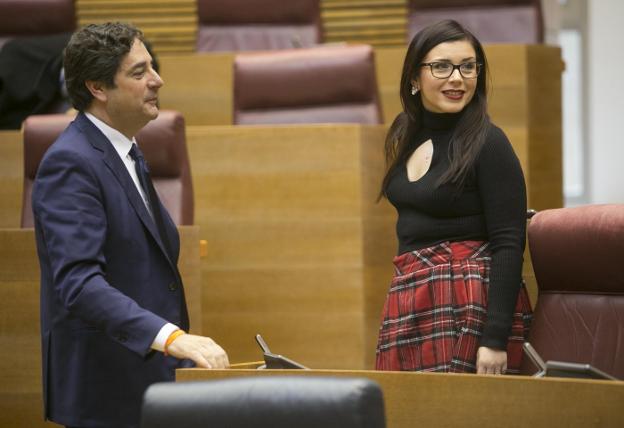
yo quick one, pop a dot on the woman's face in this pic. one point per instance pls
(451, 94)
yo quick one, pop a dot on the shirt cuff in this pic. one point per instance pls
(163, 334)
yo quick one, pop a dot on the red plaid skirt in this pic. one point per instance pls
(436, 309)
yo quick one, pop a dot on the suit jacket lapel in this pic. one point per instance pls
(117, 167)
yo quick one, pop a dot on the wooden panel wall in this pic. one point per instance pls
(11, 178)
(170, 25)
(525, 101)
(199, 86)
(298, 250)
(376, 22)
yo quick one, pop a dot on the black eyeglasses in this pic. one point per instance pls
(444, 70)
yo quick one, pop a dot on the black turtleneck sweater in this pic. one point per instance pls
(491, 206)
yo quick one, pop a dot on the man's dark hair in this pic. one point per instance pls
(95, 53)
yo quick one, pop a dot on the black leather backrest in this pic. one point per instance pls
(276, 402)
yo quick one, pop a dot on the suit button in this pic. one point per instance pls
(173, 286)
(123, 337)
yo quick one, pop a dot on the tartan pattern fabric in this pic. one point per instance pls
(436, 310)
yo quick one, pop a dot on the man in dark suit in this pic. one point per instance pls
(113, 312)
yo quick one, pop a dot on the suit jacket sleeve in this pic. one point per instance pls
(69, 210)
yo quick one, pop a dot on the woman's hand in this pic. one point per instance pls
(491, 361)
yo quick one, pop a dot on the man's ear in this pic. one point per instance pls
(97, 89)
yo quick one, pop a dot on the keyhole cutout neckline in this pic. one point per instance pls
(419, 163)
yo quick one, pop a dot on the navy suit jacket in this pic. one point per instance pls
(107, 283)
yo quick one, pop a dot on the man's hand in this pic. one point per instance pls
(202, 350)
(491, 361)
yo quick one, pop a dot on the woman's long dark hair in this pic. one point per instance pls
(470, 133)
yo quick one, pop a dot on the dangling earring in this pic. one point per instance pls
(414, 89)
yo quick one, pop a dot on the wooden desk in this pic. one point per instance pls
(21, 402)
(11, 178)
(298, 249)
(438, 400)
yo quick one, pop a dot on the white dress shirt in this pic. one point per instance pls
(122, 146)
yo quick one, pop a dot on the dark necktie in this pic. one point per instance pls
(140, 165)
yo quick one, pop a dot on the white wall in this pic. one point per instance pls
(605, 79)
(551, 14)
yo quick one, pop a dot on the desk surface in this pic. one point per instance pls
(467, 401)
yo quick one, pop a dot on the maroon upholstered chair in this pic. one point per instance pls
(492, 21)
(577, 258)
(329, 84)
(162, 141)
(35, 17)
(242, 25)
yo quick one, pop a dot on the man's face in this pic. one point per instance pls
(134, 100)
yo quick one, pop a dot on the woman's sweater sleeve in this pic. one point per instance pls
(503, 194)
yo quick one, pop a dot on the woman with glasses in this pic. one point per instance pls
(457, 302)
